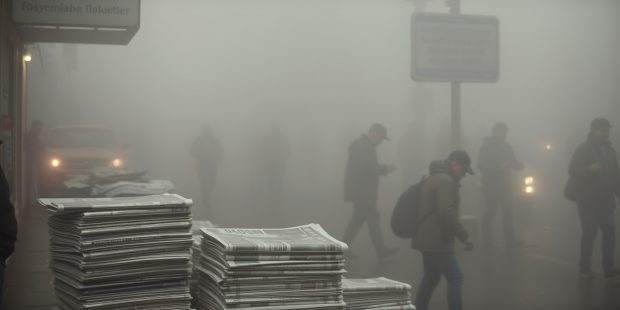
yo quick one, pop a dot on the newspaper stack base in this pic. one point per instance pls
(121, 253)
(376, 293)
(270, 269)
(196, 252)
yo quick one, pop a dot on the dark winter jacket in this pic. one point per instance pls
(596, 188)
(440, 199)
(361, 183)
(496, 160)
(8, 224)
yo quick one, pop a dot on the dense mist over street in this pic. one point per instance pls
(323, 71)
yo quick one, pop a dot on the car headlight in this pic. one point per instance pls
(55, 162)
(529, 189)
(528, 181)
(117, 162)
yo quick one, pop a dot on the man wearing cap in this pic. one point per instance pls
(594, 168)
(361, 187)
(441, 225)
(496, 160)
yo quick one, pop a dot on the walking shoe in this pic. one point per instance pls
(387, 253)
(586, 273)
(612, 273)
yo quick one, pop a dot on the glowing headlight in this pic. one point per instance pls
(117, 162)
(548, 147)
(529, 189)
(55, 162)
(528, 180)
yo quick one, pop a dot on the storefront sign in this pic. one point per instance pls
(88, 13)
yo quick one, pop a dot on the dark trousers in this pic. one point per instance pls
(2, 267)
(364, 211)
(207, 185)
(495, 200)
(593, 217)
(435, 265)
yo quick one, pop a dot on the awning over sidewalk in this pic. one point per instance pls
(77, 21)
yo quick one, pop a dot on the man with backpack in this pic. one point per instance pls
(594, 181)
(438, 212)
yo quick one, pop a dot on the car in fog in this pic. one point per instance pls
(76, 150)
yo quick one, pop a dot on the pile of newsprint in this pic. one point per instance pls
(376, 293)
(196, 252)
(260, 269)
(121, 253)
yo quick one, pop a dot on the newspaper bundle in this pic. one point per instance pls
(121, 253)
(376, 293)
(196, 252)
(259, 269)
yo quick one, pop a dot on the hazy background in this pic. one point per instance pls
(326, 70)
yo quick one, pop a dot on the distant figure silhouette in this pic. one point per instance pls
(207, 153)
(361, 187)
(275, 151)
(595, 179)
(496, 160)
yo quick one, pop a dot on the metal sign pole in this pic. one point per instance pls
(455, 89)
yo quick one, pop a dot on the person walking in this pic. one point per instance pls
(361, 187)
(207, 153)
(8, 227)
(274, 154)
(440, 226)
(496, 161)
(593, 170)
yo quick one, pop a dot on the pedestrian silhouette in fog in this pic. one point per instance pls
(34, 153)
(439, 226)
(496, 160)
(595, 181)
(207, 153)
(8, 227)
(275, 151)
(361, 187)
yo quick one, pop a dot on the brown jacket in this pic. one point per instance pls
(440, 199)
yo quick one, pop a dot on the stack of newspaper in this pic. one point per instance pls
(376, 293)
(196, 252)
(260, 269)
(121, 253)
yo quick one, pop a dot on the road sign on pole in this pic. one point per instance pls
(455, 48)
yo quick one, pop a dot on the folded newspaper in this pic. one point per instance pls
(196, 253)
(289, 268)
(376, 293)
(121, 253)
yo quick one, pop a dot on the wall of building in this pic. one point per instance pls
(12, 95)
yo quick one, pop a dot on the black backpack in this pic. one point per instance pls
(405, 218)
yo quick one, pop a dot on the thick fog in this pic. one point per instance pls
(325, 70)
